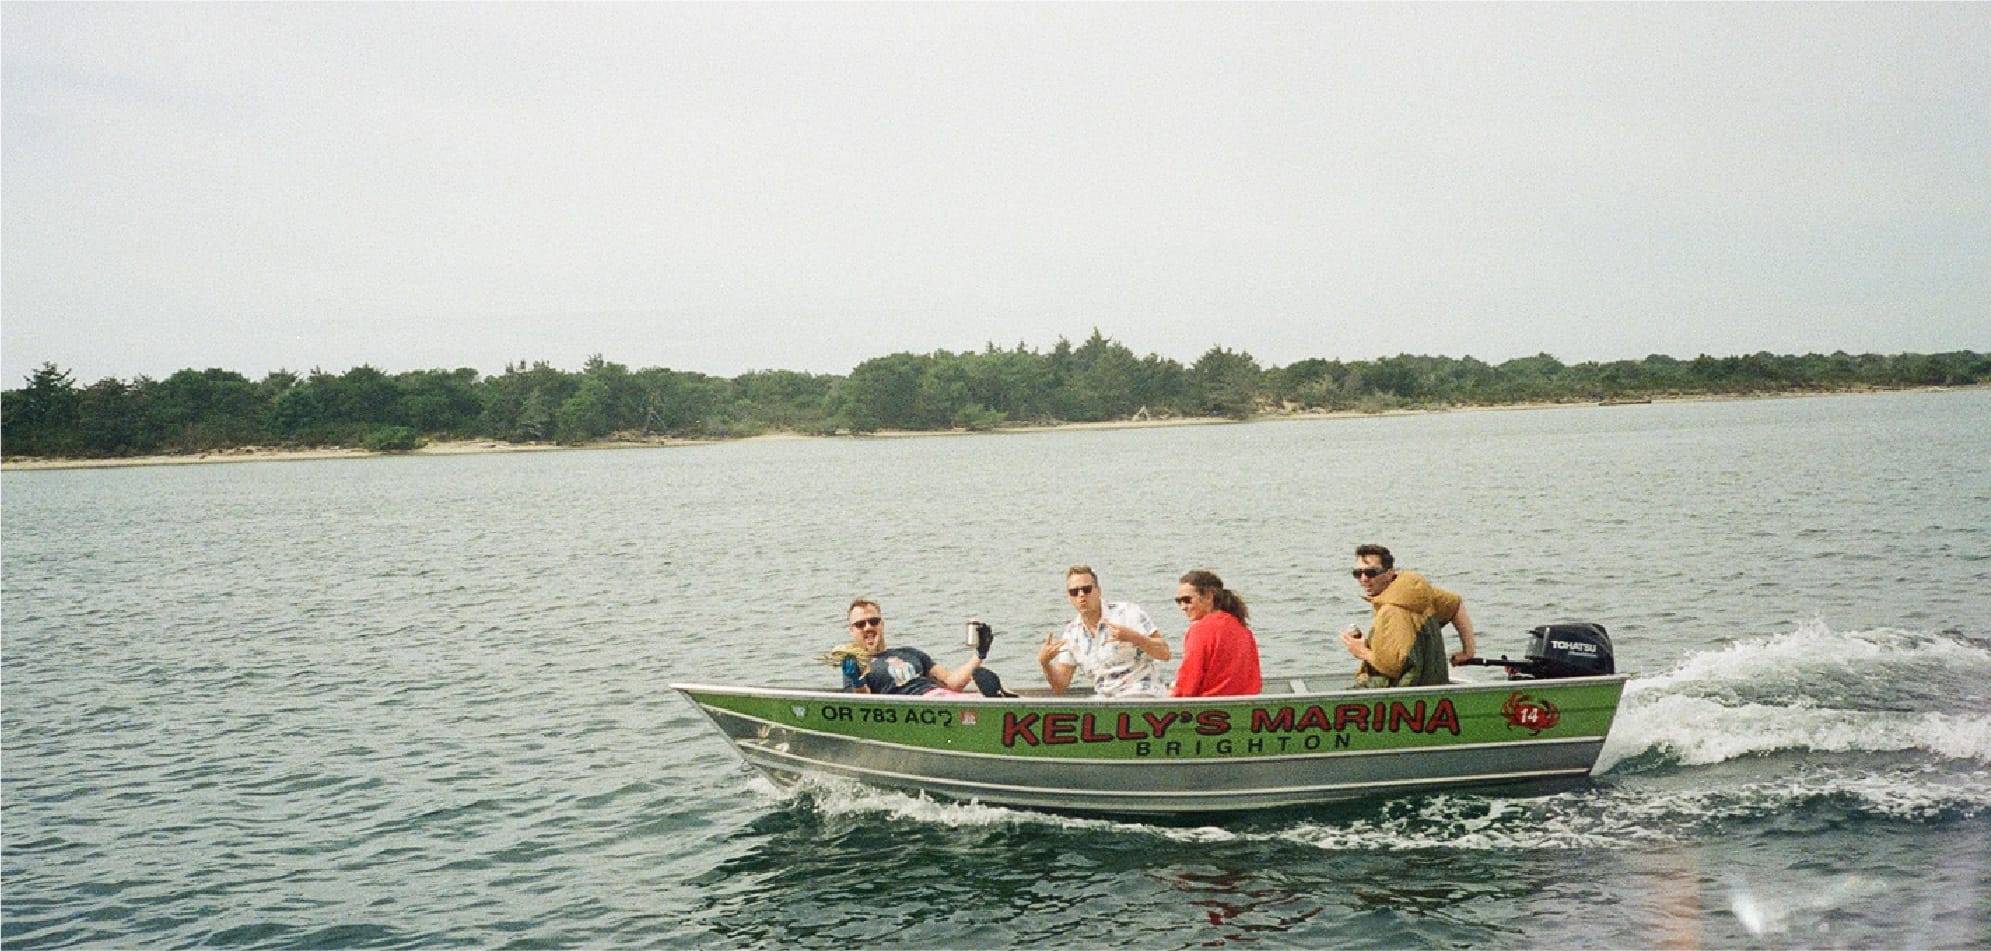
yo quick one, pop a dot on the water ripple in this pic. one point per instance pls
(349, 704)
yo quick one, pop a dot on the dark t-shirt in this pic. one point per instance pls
(900, 670)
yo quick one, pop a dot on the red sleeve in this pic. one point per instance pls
(1189, 679)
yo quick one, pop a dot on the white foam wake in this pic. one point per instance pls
(1692, 713)
(1626, 815)
(1812, 651)
(1697, 731)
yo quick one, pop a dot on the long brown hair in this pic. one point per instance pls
(1222, 598)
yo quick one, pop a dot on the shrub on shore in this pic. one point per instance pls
(392, 439)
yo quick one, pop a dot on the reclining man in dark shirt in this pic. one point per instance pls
(871, 667)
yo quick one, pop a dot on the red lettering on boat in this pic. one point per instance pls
(1264, 721)
(1443, 718)
(1159, 724)
(1058, 728)
(1351, 713)
(1018, 728)
(1124, 730)
(1213, 722)
(1087, 732)
(1314, 719)
(1401, 716)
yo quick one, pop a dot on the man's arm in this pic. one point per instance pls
(957, 679)
(1152, 644)
(1155, 643)
(1464, 623)
(1059, 676)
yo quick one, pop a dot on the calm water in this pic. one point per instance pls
(422, 701)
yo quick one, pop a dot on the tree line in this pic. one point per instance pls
(1098, 379)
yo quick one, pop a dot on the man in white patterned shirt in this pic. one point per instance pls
(1115, 644)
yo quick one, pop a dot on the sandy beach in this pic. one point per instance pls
(450, 447)
(460, 447)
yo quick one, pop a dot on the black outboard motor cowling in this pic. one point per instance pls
(1573, 649)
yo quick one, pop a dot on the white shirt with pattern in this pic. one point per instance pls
(1116, 668)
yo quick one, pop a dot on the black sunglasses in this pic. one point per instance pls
(1183, 599)
(865, 622)
(1083, 589)
(1368, 572)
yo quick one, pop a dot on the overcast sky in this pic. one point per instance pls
(729, 187)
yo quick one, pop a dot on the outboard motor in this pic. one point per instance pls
(1569, 649)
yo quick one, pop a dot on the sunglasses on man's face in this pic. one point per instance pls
(1184, 600)
(1080, 591)
(1368, 572)
(864, 622)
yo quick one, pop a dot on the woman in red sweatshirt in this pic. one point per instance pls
(1219, 654)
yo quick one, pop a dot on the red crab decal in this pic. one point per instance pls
(1529, 714)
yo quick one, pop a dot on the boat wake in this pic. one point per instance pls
(1605, 817)
(1813, 705)
(1810, 689)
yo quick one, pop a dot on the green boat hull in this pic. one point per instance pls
(1293, 745)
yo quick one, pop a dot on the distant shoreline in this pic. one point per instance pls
(466, 447)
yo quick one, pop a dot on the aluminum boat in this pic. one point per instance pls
(1305, 739)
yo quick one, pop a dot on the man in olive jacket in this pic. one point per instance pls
(1405, 646)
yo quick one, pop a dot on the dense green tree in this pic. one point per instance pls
(783, 399)
(199, 410)
(1016, 383)
(367, 396)
(1162, 386)
(1225, 383)
(442, 402)
(109, 421)
(679, 403)
(535, 419)
(303, 414)
(881, 393)
(508, 396)
(617, 390)
(943, 393)
(1104, 383)
(588, 414)
(40, 418)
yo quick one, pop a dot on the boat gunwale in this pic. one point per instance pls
(1095, 702)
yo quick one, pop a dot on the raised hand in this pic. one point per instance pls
(1126, 634)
